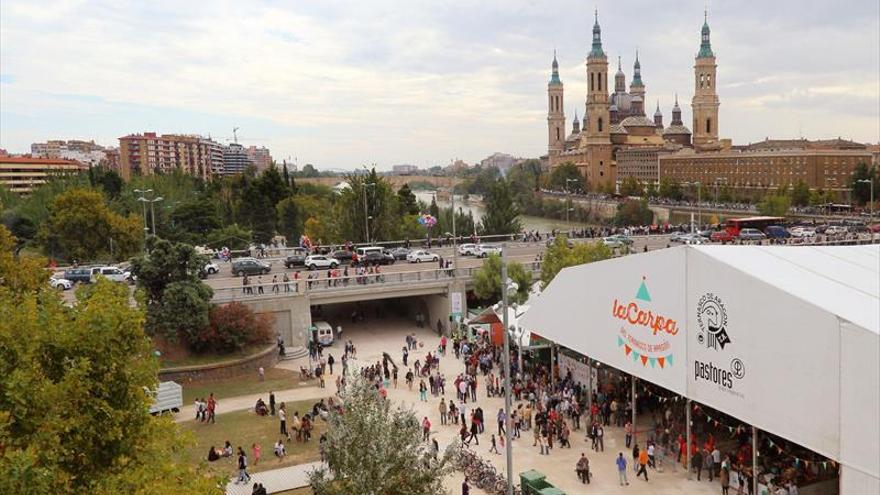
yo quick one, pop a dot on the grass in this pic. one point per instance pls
(299, 491)
(243, 428)
(276, 379)
(180, 358)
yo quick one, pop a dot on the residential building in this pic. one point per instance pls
(404, 169)
(260, 157)
(235, 159)
(149, 153)
(214, 155)
(502, 161)
(22, 174)
(81, 151)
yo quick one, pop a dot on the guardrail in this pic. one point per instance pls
(324, 284)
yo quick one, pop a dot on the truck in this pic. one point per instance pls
(167, 398)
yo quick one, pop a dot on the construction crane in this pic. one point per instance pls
(234, 134)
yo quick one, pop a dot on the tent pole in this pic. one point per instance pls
(754, 459)
(589, 385)
(687, 447)
(634, 408)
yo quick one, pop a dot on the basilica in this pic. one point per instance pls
(615, 128)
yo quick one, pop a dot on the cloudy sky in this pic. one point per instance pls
(340, 84)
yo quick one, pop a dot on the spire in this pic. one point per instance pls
(676, 112)
(705, 44)
(637, 73)
(597, 38)
(619, 79)
(658, 117)
(554, 77)
(575, 124)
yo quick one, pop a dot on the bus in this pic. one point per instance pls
(734, 225)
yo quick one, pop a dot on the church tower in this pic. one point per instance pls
(705, 103)
(637, 87)
(597, 130)
(555, 113)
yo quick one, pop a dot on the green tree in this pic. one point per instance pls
(633, 212)
(559, 255)
(631, 187)
(670, 189)
(487, 280)
(194, 219)
(74, 409)
(651, 190)
(861, 191)
(377, 448)
(78, 212)
(381, 208)
(231, 236)
(19, 275)
(800, 194)
(406, 201)
(774, 205)
(177, 302)
(567, 177)
(289, 222)
(502, 212)
(20, 226)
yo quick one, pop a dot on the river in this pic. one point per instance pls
(477, 209)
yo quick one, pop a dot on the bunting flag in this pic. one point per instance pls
(635, 356)
(628, 350)
(644, 360)
(662, 361)
(653, 361)
(619, 341)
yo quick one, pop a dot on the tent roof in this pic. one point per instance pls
(843, 280)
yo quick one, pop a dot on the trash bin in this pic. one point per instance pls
(552, 490)
(532, 482)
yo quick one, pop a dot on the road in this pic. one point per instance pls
(518, 251)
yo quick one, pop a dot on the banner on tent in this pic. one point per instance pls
(580, 372)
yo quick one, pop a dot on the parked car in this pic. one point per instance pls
(777, 232)
(696, 239)
(836, 230)
(111, 273)
(705, 233)
(678, 236)
(82, 275)
(317, 261)
(211, 268)
(399, 253)
(60, 283)
(484, 250)
(363, 251)
(616, 241)
(467, 249)
(297, 257)
(749, 234)
(422, 255)
(376, 258)
(721, 236)
(343, 256)
(249, 266)
(802, 232)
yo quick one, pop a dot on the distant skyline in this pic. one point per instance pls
(342, 84)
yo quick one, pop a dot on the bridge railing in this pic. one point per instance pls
(323, 284)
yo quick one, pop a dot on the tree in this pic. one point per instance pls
(289, 223)
(631, 187)
(651, 190)
(231, 236)
(800, 194)
(633, 212)
(567, 177)
(19, 275)
(670, 189)
(194, 219)
(261, 195)
(20, 226)
(487, 280)
(559, 256)
(861, 191)
(74, 409)
(774, 205)
(233, 327)
(377, 448)
(406, 201)
(502, 212)
(381, 208)
(177, 302)
(74, 213)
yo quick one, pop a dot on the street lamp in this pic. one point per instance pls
(871, 206)
(152, 210)
(699, 204)
(507, 286)
(366, 211)
(568, 207)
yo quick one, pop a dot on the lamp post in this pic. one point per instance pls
(568, 207)
(699, 203)
(871, 205)
(506, 285)
(152, 210)
(454, 234)
(367, 212)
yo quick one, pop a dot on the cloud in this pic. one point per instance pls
(344, 83)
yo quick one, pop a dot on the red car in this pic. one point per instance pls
(721, 236)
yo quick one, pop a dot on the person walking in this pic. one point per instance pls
(725, 476)
(426, 429)
(474, 432)
(628, 430)
(443, 410)
(272, 403)
(286, 279)
(465, 487)
(494, 447)
(282, 417)
(697, 463)
(643, 464)
(621, 469)
(330, 362)
(423, 391)
(259, 284)
(243, 476)
(212, 409)
(275, 284)
(600, 439)
(502, 418)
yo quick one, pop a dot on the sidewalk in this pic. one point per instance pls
(276, 480)
(242, 402)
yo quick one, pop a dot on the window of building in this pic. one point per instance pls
(600, 81)
(600, 124)
(708, 83)
(557, 134)
(592, 77)
(708, 126)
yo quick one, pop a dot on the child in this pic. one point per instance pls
(257, 451)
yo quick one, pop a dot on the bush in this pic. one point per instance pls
(232, 328)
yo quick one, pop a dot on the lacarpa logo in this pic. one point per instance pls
(712, 322)
(644, 334)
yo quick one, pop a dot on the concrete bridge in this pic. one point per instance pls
(435, 293)
(397, 181)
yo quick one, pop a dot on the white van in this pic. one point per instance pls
(363, 251)
(323, 332)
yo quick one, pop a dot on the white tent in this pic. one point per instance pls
(783, 338)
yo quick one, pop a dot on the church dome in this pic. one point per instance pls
(675, 129)
(637, 121)
(618, 129)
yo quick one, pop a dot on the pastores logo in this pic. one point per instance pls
(643, 334)
(712, 322)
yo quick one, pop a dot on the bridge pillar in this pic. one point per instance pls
(445, 307)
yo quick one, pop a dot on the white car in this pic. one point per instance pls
(484, 250)
(320, 261)
(836, 230)
(467, 249)
(695, 239)
(211, 268)
(111, 273)
(60, 283)
(802, 232)
(420, 256)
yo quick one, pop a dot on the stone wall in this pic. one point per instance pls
(221, 370)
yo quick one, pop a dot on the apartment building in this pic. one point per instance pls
(22, 174)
